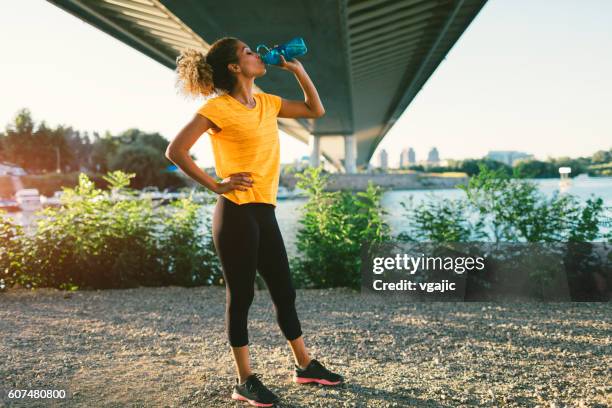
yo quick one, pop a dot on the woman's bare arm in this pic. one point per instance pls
(311, 106)
(178, 153)
(178, 150)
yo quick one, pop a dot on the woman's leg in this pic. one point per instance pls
(273, 266)
(236, 238)
(300, 354)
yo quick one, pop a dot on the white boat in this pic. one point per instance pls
(54, 201)
(283, 193)
(10, 169)
(565, 181)
(152, 192)
(28, 199)
(9, 205)
(174, 195)
(299, 192)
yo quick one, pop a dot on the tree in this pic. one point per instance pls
(145, 161)
(37, 148)
(102, 150)
(80, 146)
(17, 141)
(137, 136)
(472, 166)
(602, 156)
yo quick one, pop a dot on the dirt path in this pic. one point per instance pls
(166, 347)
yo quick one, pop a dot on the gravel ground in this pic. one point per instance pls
(166, 347)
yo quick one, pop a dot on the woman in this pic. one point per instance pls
(244, 134)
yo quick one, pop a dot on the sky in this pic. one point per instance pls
(532, 76)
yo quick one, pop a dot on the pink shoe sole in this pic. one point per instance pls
(250, 401)
(301, 380)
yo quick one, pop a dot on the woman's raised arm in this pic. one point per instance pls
(311, 106)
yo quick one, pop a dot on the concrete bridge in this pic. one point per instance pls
(368, 58)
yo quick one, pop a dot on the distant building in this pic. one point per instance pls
(433, 157)
(411, 157)
(509, 157)
(403, 162)
(407, 157)
(384, 159)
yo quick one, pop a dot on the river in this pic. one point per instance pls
(288, 211)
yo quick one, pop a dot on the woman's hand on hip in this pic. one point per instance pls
(236, 181)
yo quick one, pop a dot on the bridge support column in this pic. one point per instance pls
(349, 154)
(315, 150)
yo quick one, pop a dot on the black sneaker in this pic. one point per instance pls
(316, 372)
(254, 392)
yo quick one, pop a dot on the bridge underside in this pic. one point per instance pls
(368, 58)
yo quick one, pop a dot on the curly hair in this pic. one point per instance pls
(204, 75)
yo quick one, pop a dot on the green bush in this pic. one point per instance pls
(95, 240)
(517, 211)
(188, 252)
(439, 221)
(335, 226)
(11, 252)
(499, 209)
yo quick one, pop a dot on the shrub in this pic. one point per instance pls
(439, 221)
(112, 239)
(335, 226)
(11, 252)
(188, 253)
(499, 209)
(517, 211)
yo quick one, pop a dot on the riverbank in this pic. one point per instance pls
(391, 181)
(167, 347)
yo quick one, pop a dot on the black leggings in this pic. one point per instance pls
(247, 238)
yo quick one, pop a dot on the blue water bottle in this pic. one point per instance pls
(290, 49)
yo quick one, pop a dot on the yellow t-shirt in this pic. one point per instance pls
(247, 142)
